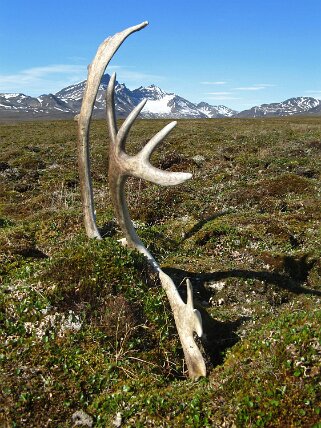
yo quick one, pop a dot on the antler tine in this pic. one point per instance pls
(198, 328)
(189, 288)
(110, 108)
(139, 165)
(119, 137)
(128, 122)
(143, 169)
(154, 142)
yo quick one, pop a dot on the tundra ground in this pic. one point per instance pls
(85, 326)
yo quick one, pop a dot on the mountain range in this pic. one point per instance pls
(160, 104)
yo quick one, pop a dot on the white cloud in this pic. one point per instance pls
(249, 88)
(37, 80)
(255, 87)
(53, 69)
(52, 78)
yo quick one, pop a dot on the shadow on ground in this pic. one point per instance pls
(202, 222)
(220, 336)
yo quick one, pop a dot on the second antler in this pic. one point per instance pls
(187, 319)
(121, 166)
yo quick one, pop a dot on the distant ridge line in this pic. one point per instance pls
(160, 104)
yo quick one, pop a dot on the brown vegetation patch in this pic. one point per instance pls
(296, 267)
(274, 188)
(117, 316)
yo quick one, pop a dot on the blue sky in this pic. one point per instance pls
(231, 52)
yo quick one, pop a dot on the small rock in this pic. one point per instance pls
(216, 285)
(80, 418)
(11, 173)
(198, 159)
(118, 420)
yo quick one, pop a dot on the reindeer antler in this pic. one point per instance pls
(96, 70)
(121, 165)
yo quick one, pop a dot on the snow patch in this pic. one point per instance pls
(159, 106)
(8, 96)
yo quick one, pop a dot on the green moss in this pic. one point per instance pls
(276, 363)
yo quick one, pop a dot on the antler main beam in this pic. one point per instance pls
(121, 166)
(96, 70)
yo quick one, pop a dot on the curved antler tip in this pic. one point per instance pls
(189, 289)
(162, 178)
(187, 175)
(170, 126)
(138, 27)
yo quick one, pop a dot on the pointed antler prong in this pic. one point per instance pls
(139, 165)
(154, 142)
(128, 122)
(198, 328)
(148, 172)
(110, 108)
(189, 289)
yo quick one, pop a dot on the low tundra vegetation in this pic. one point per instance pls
(87, 337)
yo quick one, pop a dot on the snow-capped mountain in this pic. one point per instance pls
(215, 111)
(163, 104)
(160, 104)
(22, 106)
(67, 102)
(72, 96)
(292, 106)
